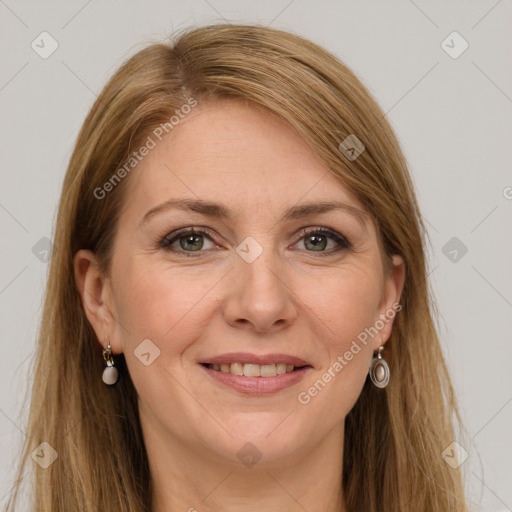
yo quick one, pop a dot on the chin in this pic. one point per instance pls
(261, 437)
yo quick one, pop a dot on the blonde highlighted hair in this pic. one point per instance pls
(394, 438)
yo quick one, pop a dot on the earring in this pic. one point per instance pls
(379, 370)
(110, 373)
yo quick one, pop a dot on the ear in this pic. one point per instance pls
(390, 302)
(96, 294)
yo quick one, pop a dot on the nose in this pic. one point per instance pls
(260, 295)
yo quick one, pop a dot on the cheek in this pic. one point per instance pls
(169, 306)
(161, 304)
(343, 310)
(344, 305)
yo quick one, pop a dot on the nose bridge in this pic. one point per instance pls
(260, 294)
(261, 260)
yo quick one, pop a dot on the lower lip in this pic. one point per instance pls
(258, 385)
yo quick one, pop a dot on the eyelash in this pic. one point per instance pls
(169, 239)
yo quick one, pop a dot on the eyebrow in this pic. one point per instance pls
(219, 211)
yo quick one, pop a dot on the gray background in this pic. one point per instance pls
(452, 116)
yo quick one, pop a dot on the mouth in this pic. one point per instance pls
(251, 374)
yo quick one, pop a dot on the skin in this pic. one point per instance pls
(290, 300)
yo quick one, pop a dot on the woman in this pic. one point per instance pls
(237, 314)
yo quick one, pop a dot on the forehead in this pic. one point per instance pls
(238, 155)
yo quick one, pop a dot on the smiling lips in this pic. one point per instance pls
(253, 374)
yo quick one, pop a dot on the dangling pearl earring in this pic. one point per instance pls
(379, 370)
(110, 373)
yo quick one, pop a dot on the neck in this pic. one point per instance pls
(188, 479)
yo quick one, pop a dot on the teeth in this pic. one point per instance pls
(281, 368)
(237, 368)
(268, 370)
(254, 370)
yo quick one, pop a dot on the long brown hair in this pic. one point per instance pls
(394, 438)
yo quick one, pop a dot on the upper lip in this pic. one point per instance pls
(248, 358)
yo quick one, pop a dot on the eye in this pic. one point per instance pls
(317, 240)
(190, 240)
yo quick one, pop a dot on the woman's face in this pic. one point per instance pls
(253, 288)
